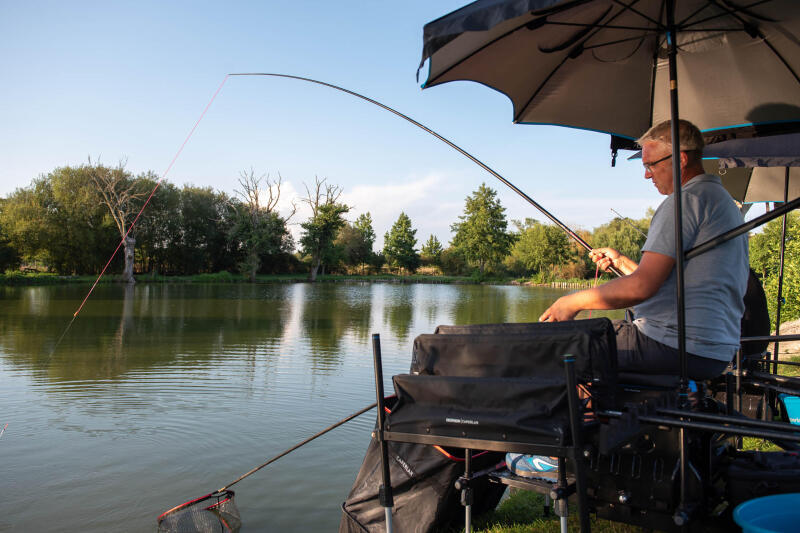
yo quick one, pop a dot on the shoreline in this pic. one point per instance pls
(27, 279)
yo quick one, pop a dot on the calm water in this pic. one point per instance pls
(161, 393)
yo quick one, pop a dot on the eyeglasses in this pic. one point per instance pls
(649, 166)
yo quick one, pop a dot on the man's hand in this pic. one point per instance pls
(562, 309)
(605, 258)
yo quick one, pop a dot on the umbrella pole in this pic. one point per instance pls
(681, 517)
(775, 356)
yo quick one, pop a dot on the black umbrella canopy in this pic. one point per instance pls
(602, 64)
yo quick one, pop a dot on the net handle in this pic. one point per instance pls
(298, 445)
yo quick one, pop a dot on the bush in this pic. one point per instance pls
(453, 263)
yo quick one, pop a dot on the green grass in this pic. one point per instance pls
(523, 512)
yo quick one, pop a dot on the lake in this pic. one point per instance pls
(159, 393)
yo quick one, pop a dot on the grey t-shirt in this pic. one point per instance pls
(714, 282)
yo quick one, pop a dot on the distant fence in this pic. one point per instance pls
(583, 284)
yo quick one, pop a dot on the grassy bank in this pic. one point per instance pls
(523, 512)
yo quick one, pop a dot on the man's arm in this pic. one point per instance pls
(619, 293)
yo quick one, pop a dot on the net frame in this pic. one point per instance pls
(198, 516)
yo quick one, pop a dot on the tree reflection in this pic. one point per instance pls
(398, 313)
(123, 328)
(330, 312)
(481, 304)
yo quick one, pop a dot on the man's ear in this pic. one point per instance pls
(684, 159)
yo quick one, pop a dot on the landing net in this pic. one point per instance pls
(212, 513)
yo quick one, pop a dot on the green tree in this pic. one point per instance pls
(356, 240)
(260, 230)
(159, 229)
(538, 249)
(9, 257)
(481, 234)
(765, 260)
(625, 235)
(58, 222)
(399, 245)
(320, 231)
(432, 251)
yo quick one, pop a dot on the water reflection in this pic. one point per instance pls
(398, 311)
(125, 328)
(330, 312)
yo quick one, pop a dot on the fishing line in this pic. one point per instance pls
(628, 222)
(452, 145)
(130, 228)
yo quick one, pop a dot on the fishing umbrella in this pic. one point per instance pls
(604, 64)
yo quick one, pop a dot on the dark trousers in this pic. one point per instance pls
(636, 352)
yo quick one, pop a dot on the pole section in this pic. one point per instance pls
(386, 488)
(780, 275)
(681, 516)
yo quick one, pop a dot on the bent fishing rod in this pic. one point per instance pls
(449, 143)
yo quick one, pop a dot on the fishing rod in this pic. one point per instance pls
(220, 501)
(452, 145)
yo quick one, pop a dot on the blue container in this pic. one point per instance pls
(791, 405)
(779, 513)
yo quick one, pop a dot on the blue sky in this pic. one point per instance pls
(113, 81)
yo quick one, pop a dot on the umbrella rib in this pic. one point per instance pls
(564, 60)
(764, 39)
(725, 11)
(780, 57)
(629, 7)
(475, 52)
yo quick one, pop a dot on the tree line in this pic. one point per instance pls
(69, 220)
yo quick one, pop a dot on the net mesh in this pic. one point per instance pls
(212, 513)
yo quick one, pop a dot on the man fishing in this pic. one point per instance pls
(715, 281)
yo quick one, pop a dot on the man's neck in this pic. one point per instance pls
(691, 172)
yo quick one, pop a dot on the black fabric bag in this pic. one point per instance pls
(425, 498)
(514, 409)
(531, 350)
(755, 474)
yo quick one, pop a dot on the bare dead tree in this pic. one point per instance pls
(251, 193)
(324, 194)
(119, 193)
(260, 196)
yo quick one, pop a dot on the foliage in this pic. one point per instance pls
(399, 245)
(431, 251)
(319, 231)
(356, 240)
(58, 222)
(626, 236)
(481, 234)
(453, 262)
(765, 260)
(539, 249)
(258, 230)
(9, 258)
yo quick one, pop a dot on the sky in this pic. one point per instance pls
(127, 81)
